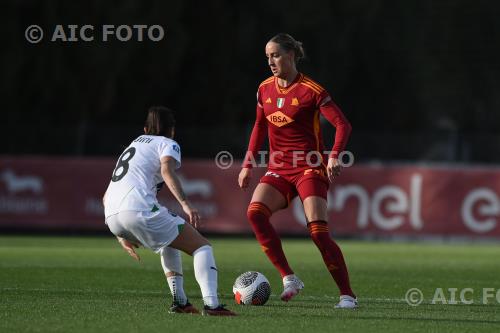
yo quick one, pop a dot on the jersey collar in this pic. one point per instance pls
(286, 90)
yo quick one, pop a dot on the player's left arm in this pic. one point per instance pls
(168, 166)
(343, 129)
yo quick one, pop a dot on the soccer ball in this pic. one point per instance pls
(251, 288)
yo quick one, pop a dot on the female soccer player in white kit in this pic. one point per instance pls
(135, 217)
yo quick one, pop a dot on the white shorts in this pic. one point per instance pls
(153, 230)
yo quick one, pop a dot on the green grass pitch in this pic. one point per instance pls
(70, 284)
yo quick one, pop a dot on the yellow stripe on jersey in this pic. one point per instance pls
(313, 83)
(267, 81)
(316, 127)
(313, 88)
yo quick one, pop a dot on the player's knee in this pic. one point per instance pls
(257, 210)
(314, 213)
(202, 241)
(197, 245)
(189, 240)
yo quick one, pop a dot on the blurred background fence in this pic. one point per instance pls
(418, 79)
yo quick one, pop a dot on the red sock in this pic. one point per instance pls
(258, 214)
(332, 255)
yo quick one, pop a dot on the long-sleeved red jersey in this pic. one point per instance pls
(290, 116)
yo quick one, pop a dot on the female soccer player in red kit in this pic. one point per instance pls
(288, 107)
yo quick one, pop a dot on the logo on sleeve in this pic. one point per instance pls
(177, 149)
(279, 119)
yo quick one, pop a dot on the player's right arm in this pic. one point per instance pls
(168, 166)
(256, 140)
(128, 246)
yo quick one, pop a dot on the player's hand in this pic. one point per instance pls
(244, 177)
(192, 213)
(333, 168)
(129, 247)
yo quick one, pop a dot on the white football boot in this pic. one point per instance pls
(347, 302)
(291, 287)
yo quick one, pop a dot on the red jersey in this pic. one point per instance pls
(290, 116)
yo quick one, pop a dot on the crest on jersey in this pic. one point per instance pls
(279, 119)
(280, 102)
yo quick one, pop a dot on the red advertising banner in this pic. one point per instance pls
(63, 193)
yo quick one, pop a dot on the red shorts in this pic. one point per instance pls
(305, 183)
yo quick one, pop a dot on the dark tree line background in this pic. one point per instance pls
(418, 79)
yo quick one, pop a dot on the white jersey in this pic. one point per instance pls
(137, 173)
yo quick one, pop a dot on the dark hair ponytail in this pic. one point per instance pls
(160, 121)
(288, 43)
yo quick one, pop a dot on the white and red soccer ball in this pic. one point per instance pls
(251, 288)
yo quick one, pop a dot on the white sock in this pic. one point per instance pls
(205, 272)
(171, 262)
(176, 285)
